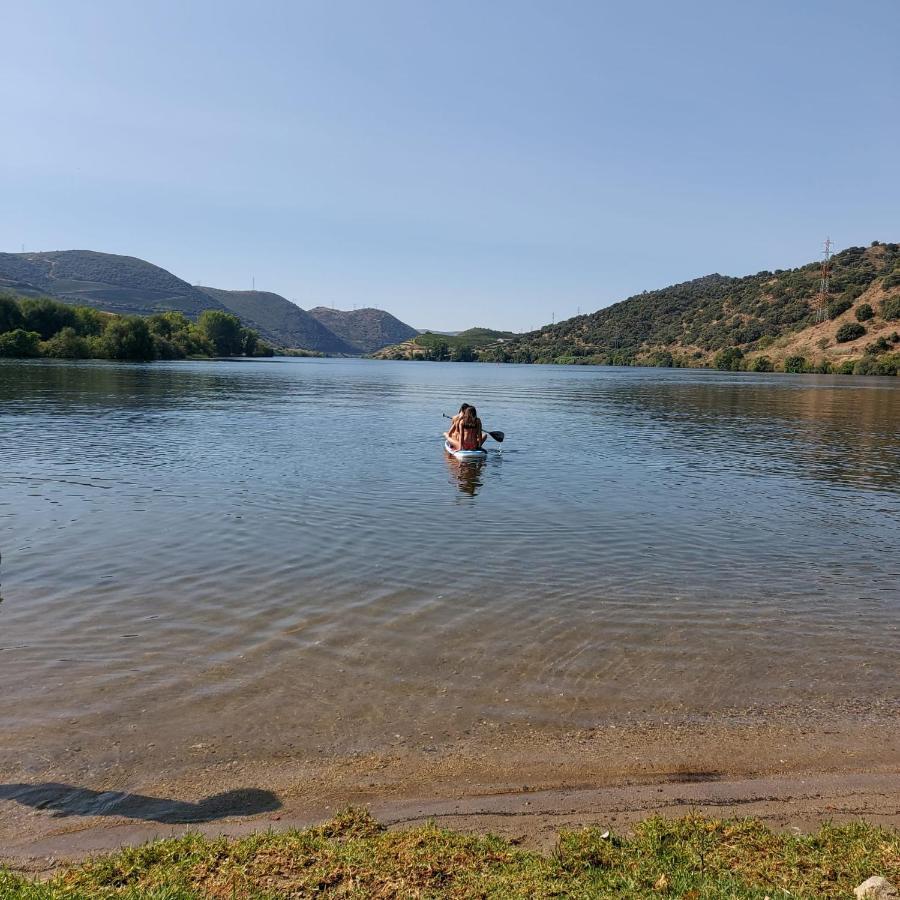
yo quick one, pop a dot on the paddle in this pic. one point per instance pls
(496, 435)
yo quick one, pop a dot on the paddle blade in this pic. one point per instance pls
(497, 436)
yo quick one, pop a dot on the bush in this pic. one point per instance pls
(838, 308)
(20, 343)
(731, 359)
(66, 344)
(849, 331)
(890, 308)
(762, 364)
(796, 365)
(880, 345)
(846, 367)
(864, 312)
(10, 314)
(127, 338)
(878, 365)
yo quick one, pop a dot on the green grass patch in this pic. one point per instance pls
(355, 857)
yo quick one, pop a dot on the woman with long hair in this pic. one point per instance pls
(465, 430)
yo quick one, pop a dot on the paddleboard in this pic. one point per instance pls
(470, 455)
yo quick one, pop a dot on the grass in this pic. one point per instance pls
(355, 857)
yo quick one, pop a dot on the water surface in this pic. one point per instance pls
(279, 554)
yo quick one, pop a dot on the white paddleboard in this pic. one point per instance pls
(471, 455)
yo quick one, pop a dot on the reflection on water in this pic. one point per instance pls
(187, 545)
(466, 473)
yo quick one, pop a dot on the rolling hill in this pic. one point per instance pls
(367, 329)
(769, 314)
(279, 321)
(459, 346)
(119, 284)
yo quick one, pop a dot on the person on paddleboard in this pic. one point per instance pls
(465, 430)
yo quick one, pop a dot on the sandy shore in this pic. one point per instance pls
(525, 785)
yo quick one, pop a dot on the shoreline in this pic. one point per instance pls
(522, 786)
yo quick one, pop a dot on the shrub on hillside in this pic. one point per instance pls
(846, 367)
(864, 312)
(878, 365)
(890, 308)
(838, 308)
(762, 364)
(20, 343)
(880, 345)
(796, 365)
(849, 331)
(731, 359)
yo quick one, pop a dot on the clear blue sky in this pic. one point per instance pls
(456, 163)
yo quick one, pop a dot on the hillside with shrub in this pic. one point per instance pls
(463, 346)
(41, 327)
(278, 320)
(366, 329)
(763, 322)
(107, 281)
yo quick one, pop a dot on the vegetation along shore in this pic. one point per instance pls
(778, 321)
(355, 856)
(41, 327)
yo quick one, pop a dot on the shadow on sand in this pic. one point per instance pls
(67, 800)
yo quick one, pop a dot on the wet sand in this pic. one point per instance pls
(523, 784)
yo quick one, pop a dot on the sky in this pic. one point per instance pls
(490, 163)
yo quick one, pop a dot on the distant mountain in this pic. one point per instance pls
(769, 314)
(279, 321)
(366, 329)
(120, 284)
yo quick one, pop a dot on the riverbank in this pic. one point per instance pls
(355, 855)
(523, 785)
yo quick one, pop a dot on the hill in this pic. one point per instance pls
(367, 329)
(279, 321)
(709, 319)
(107, 281)
(458, 346)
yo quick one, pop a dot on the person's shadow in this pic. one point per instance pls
(68, 800)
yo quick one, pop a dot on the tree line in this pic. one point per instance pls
(41, 327)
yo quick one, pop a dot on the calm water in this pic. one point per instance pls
(279, 553)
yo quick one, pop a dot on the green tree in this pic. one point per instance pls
(127, 338)
(890, 308)
(89, 321)
(10, 314)
(849, 331)
(796, 364)
(838, 307)
(731, 359)
(864, 312)
(46, 317)
(762, 364)
(249, 341)
(222, 330)
(462, 353)
(20, 343)
(66, 344)
(168, 323)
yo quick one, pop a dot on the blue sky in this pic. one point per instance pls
(465, 163)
